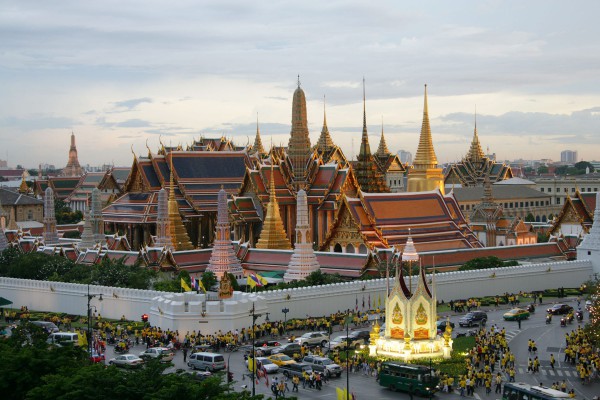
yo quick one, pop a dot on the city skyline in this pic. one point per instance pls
(121, 75)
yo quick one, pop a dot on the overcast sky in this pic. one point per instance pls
(120, 73)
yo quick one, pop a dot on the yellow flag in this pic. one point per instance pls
(251, 282)
(185, 286)
(262, 280)
(342, 394)
(251, 364)
(201, 285)
(82, 339)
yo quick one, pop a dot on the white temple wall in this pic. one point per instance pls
(314, 301)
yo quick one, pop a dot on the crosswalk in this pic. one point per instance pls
(557, 372)
(511, 334)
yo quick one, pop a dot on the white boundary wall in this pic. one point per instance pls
(314, 301)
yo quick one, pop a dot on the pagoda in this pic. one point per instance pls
(411, 320)
(390, 165)
(179, 237)
(96, 216)
(303, 261)
(370, 179)
(73, 168)
(257, 148)
(273, 234)
(299, 149)
(326, 149)
(88, 241)
(223, 259)
(476, 167)
(425, 174)
(50, 232)
(163, 238)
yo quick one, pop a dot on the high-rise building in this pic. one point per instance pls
(568, 156)
(405, 156)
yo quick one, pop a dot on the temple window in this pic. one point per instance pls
(549, 190)
(542, 189)
(573, 190)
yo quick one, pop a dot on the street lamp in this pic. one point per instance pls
(89, 315)
(254, 317)
(285, 310)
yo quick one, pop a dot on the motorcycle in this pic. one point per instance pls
(231, 347)
(579, 316)
(563, 321)
(548, 318)
(531, 308)
(121, 350)
(570, 318)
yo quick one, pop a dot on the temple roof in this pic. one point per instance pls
(9, 198)
(577, 209)
(499, 192)
(62, 186)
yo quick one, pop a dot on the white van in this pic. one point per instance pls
(64, 339)
(206, 361)
(48, 326)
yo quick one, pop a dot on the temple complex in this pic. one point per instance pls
(390, 166)
(179, 237)
(425, 174)
(272, 235)
(50, 232)
(73, 168)
(223, 259)
(369, 176)
(476, 167)
(163, 237)
(299, 149)
(303, 261)
(326, 149)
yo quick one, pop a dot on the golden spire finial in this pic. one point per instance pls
(382, 150)
(425, 157)
(178, 233)
(23, 188)
(272, 235)
(476, 153)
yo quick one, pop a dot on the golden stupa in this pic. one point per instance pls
(178, 233)
(273, 234)
(425, 174)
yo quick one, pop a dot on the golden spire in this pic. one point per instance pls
(23, 189)
(325, 143)
(178, 233)
(258, 146)
(475, 152)
(382, 150)
(425, 157)
(273, 234)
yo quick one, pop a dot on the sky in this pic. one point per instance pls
(126, 75)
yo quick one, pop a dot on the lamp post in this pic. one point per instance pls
(348, 318)
(254, 317)
(89, 315)
(285, 310)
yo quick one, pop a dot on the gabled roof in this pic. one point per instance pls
(579, 208)
(61, 185)
(9, 198)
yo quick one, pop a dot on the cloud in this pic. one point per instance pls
(128, 105)
(133, 123)
(36, 122)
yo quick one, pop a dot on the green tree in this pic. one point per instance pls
(483, 263)
(64, 215)
(209, 279)
(592, 328)
(542, 169)
(582, 165)
(530, 218)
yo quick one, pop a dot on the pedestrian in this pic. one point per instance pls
(552, 361)
(185, 351)
(295, 382)
(498, 383)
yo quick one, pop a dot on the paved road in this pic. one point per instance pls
(549, 339)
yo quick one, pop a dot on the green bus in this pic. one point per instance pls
(523, 391)
(408, 378)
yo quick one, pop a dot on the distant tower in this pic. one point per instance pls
(23, 188)
(223, 258)
(177, 231)
(303, 260)
(88, 241)
(258, 146)
(325, 143)
(50, 232)
(273, 234)
(425, 174)
(96, 216)
(163, 239)
(299, 149)
(73, 168)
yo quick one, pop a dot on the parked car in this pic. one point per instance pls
(560, 309)
(289, 349)
(126, 361)
(264, 350)
(343, 341)
(363, 335)
(313, 339)
(267, 343)
(165, 354)
(324, 365)
(296, 369)
(206, 361)
(473, 318)
(267, 364)
(48, 326)
(516, 314)
(97, 357)
(63, 339)
(281, 359)
(196, 375)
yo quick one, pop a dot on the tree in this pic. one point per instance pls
(542, 169)
(209, 279)
(582, 165)
(234, 283)
(592, 328)
(64, 215)
(483, 263)
(530, 218)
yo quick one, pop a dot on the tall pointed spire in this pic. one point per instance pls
(50, 232)
(299, 149)
(223, 259)
(177, 231)
(73, 168)
(258, 146)
(325, 143)
(425, 174)
(382, 150)
(96, 220)
(476, 153)
(87, 237)
(272, 235)
(303, 261)
(370, 179)
(23, 188)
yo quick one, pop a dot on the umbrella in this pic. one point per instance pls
(4, 302)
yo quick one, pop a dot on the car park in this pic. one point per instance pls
(206, 361)
(559, 309)
(126, 361)
(268, 365)
(162, 353)
(281, 359)
(289, 349)
(473, 318)
(516, 314)
(296, 369)
(324, 365)
(313, 339)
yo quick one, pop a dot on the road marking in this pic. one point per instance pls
(559, 373)
(544, 372)
(551, 372)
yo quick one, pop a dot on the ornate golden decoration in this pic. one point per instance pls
(421, 317)
(397, 317)
(225, 287)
